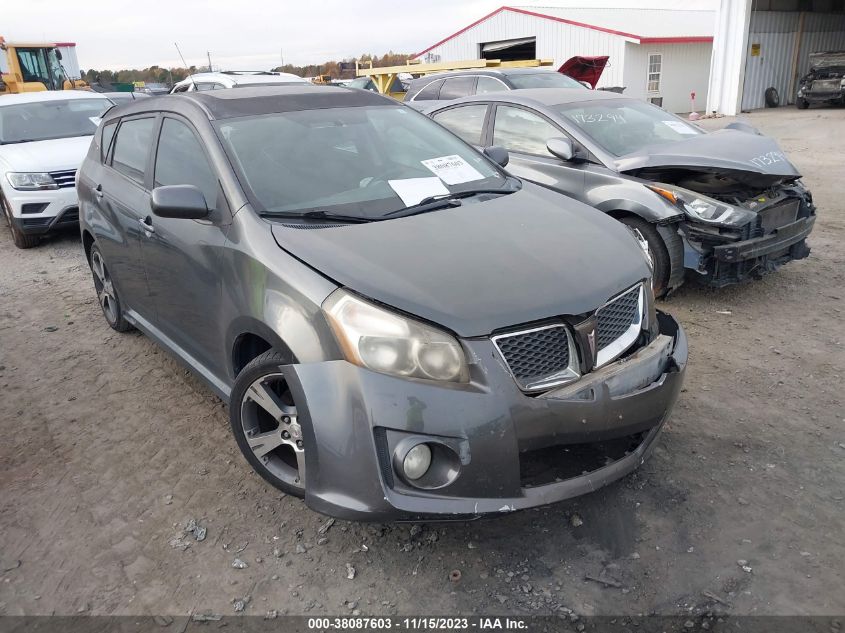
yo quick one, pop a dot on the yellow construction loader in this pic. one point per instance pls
(33, 67)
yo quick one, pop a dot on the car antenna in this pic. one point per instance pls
(190, 75)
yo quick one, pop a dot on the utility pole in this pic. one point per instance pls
(209, 60)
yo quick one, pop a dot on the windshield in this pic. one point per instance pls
(548, 79)
(362, 161)
(43, 120)
(624, 126)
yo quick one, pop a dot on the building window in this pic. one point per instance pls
(658, 101)
(655, 66)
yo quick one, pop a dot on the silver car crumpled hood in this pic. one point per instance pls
(733, 151)
(480, 267)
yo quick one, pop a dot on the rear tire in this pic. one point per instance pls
(658, 251)
(264, 421)
(106, 292)
(21, 240)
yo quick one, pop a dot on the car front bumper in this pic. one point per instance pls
(355, 422)
(732, 262)
(39, 212)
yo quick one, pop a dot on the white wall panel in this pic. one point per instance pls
(686, 69)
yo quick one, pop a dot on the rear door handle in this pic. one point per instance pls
(147, 224)
(98, 191)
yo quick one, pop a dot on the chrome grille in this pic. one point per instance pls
(64, 179)
(539, 358)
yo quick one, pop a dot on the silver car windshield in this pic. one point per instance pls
(625, 126)
(358, 161)
(44, 120)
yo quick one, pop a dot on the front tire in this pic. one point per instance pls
(264, 421)
(802, 104)
(106, 292)
(658, 251)
(21, 240)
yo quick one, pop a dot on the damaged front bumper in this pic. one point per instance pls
(724, 256)
(487, 436)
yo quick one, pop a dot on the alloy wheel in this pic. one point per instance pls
(272, 431)
(104, 287)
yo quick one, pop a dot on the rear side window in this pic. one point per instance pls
(181, 161)
(465, 121)
(105, 141)
(132, 146)
(430, 93)
(457, 87)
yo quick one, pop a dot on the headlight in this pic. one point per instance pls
(702, 208)
(392, 344)
(643, 244)
(31, 182)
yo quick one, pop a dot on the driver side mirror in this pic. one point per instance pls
(498, 155)
(179, 201)
(561, 147)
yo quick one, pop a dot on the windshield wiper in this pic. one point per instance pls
(433, 203)
(317, 215)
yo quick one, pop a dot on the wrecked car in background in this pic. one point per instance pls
(726, 205)
(825, 83)
(401, 329)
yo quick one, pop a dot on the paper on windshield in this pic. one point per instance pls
(415, 190)
(453, 170)
(680, 128)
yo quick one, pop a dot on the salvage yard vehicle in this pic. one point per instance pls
(465, 83)
(43, 138)
(726, 205)
(825, 82)
(400, 329)
(235, 79)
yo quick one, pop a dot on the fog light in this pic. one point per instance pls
(417, 461)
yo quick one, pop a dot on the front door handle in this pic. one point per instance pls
(147, 225)
(98, 191)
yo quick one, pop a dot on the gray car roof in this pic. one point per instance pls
(543, 96)
(231, 103)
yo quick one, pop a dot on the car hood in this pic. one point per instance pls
(830, 59)
(743, 155)
(54, 155)
(484, 266)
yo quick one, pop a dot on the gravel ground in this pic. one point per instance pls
(110, 449)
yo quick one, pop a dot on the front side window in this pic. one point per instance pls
(465, 121)
(132, 146)
(180, 160)
(34, 66)
(622, 126)
(56, 118)
(360, 161)
(519, 130)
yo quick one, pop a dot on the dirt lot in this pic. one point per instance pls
(109, 448)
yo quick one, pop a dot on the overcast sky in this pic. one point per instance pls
(252, 34)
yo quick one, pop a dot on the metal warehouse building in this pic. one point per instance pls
(657, 54)
(767, 43)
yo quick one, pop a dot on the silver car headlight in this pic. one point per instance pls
(702, 208)
(383, 341)
(31, 181)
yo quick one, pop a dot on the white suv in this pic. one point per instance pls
(44, 136)
(235, 79)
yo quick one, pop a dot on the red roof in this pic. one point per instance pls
(642, 39)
